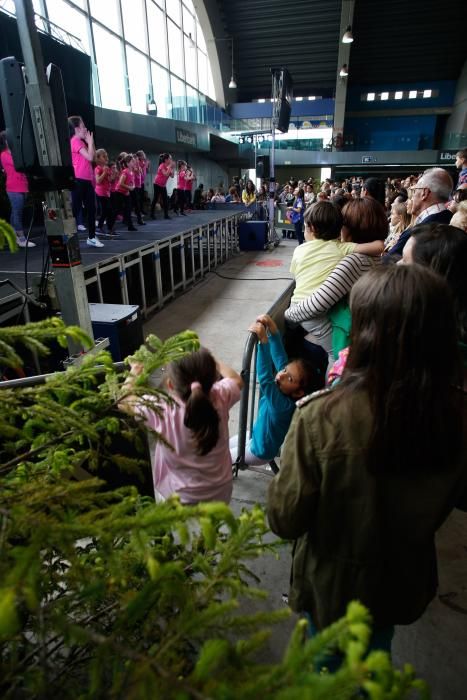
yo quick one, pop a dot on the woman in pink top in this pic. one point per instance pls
(82, 155)
(195, 424)
(16, 189)
(164, 171)
(136, 193)
(103, 176)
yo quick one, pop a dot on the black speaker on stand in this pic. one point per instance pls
(262, 167)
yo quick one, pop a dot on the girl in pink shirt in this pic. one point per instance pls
(144, 167)
(82, 155)
(136, 193)
(16, 189)
(195, 424)
(125, 185)
(164, 171)
(190, 177)
(102, 175)
(179, 193)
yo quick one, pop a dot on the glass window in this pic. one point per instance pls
(106, 12)
(160, 88)
(69, 19)
(173, 10)
(203, 72)
(175, 49)
(188, 23)
(157, 33)
(200, 38)
(109, 57)
(178, 99)
(211, 91)
(134, 22)
(190, 6)
(190, 62)
(192, 101)
(138, 78)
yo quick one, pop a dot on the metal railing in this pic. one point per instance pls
(248, 403)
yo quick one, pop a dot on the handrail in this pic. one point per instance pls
(248, 374)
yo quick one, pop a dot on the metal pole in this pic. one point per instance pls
(59, 221)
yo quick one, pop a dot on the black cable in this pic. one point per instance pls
(251, 279)
(26, 281)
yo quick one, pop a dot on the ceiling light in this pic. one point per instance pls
(427, 93)
(412, 94)
(370, 97)
(249, 139)
(241, 139)
(385, 95)
(191, 42)
(344, 71)
(232, 84)
(299, 99)
(260, 139)
(398, 95)
(312, 97)
(347, 37)
(261, 100)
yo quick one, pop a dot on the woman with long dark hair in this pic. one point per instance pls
(371, 468)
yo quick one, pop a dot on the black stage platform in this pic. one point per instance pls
(175, 252)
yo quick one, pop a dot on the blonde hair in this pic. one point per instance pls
(460, 216)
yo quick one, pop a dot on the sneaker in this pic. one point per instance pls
(80, 227)
(94, 242)
(23, 243)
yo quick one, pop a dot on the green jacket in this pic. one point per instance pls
(358, 536)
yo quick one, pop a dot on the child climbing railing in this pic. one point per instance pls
(248, 403)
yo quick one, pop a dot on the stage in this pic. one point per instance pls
(145, 267)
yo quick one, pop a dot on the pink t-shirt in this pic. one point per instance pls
(138, 176)
(188, 183)
(181, 471)
(15, 181)
(160, 178)
(128, 180)
(82, 167)
(144, 165)
(102, 189)
(181, 181)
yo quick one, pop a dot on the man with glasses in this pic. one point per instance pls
(430, 196)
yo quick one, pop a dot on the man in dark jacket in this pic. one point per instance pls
(429, 198)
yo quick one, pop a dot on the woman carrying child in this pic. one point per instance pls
(194, 424)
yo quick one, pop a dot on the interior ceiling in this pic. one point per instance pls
(395, 42)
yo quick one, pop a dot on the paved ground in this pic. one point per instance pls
(220, 311)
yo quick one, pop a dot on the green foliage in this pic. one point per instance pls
(105, 594)
(7, 236)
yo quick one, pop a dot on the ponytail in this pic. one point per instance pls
(192, 378)
(202, 419)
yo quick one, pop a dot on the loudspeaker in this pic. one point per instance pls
(253, 235)
(284, 116)
(121, 324)
(262, 167)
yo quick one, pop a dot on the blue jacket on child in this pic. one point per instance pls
(275, 409)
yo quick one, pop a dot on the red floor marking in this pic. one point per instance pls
(269, 263)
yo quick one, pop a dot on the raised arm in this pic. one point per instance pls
(337, 285)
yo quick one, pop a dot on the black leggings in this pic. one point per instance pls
(83, 193)
(136, 204)
(124, 205)
(162, 193)
(108, 214)
(179, 200)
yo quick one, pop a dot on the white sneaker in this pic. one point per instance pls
(23, 243)
(95, 243)
(80, 227)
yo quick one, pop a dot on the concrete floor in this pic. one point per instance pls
(219, 310)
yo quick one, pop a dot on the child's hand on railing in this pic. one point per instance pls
(267, 321)
(260, 330)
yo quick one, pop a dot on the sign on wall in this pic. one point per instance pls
(187, 138)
